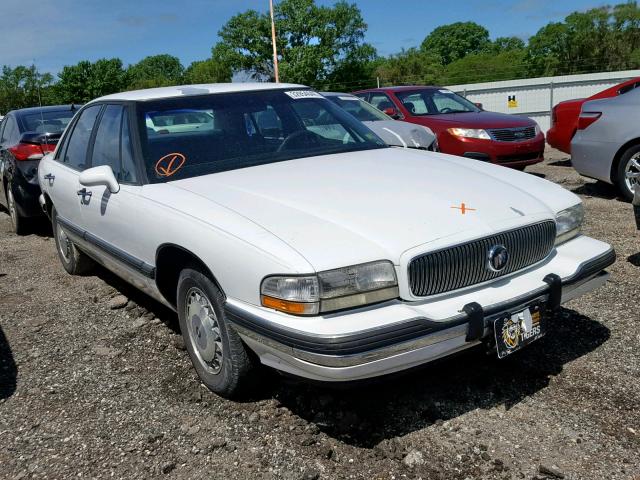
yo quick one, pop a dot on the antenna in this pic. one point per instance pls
(46, 138)
(273, 41)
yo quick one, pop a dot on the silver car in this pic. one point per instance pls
(606, 145)
(393, 132)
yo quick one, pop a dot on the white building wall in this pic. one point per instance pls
(536, 96)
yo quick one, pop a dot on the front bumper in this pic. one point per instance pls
(510, 154)
(401, 343)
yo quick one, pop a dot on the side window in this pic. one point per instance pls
(415, 104)
(128, 167)
(10, 134)
(106, 147)
(381, 101)
(77, 148)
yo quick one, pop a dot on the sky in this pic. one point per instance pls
(55, 33)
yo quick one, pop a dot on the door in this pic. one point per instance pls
(9, 136)
(111, 219)
(62, 173)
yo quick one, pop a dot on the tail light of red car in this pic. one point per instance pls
(587, 118)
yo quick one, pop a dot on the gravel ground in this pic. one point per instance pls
(95, 382)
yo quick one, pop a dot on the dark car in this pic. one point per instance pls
(462, 127)
(27, 135)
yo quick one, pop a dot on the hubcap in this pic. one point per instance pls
(204, 330)
(64, 244)
(12, 207)
(632, 172)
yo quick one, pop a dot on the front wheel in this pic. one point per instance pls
(220, 358)
(628, 174)
(73, 260)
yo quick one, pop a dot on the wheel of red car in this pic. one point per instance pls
(73, 260)
(216, 350)
(628, 174)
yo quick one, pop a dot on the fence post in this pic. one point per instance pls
(550, 98)
(378, 79)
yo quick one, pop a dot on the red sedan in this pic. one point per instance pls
(564, 116)
(462, 127)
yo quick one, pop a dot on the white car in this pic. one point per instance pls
(328, 259)
(395, 133)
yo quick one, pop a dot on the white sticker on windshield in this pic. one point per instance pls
(345, 97)
(449, 92)
(298, 94)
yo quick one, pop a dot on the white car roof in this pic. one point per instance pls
(202, 89)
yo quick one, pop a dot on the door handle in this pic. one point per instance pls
(84, 193)
(48, 176)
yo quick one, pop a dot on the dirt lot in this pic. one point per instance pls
(87, 390)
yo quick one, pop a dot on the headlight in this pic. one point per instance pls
(469, 133)
(331, 290)
(569, 223)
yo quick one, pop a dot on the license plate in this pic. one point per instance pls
(516, 330)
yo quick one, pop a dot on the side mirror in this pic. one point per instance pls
(102, 175)
(479, 105)
(392, 112)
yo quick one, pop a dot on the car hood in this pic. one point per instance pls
(344, 209)
(480, 120)
(402, 134)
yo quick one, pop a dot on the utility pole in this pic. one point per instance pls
(273, 41)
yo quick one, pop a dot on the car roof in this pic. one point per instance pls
(201, 89)
(400, 88)
(49, 108)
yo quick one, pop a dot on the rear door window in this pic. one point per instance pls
(75, 155)
(10, 134)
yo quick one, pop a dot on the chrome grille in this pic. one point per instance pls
(513, 134)
(467, 264)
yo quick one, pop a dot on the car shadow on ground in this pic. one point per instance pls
(565, 162)
(8, 368)
(366, 415)
(597, 189)
(634, 259)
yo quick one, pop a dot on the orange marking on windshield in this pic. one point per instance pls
(170, 164)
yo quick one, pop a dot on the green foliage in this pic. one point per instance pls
(207, 71)
(600, 39)
(486, 67)
(317, 45)
(155, 71)
(456, 40)
(506, 44)
(22, 87)
(411, 66)
(85, 81)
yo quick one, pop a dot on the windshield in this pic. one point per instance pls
(47, 122)
(435, 101)
(359, 108)
(198, 135)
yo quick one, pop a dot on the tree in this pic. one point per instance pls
(486, 67)
(600, 39)
(207, 71)
(507, 44)
(454, 41)
(85, 81)
(155, 71)
(316, 45)
(411, 66)
(22, 87)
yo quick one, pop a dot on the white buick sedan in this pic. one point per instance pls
(330, 257)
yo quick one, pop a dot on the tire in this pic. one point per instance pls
(73, 260)
(18, 222)
(629, 164)
(220, 358)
